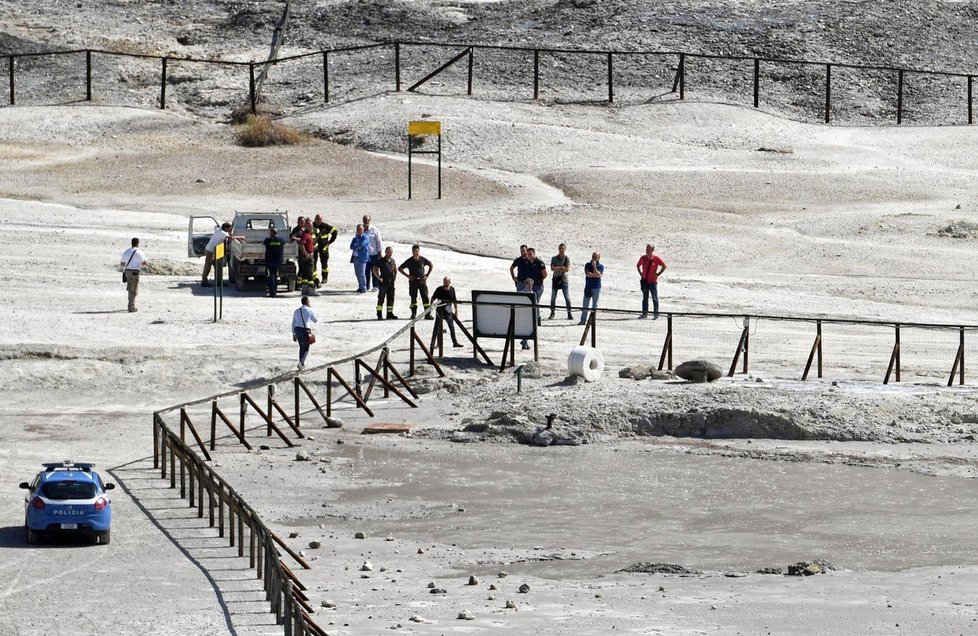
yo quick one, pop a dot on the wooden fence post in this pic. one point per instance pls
(163, 84)
(471, 70)
(88, 75)
(611, 79)
(757, 82)
(900, 97)
(252, 97)
(828, 92)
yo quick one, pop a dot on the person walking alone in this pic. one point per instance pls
(650, 267)
(132, 261)
(386, 272)
(593, 271)
(301, 319)
(560, 266)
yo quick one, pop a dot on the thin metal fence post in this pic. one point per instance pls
(971, 79)
(251, 88)
(536, 75)
(611, 79)
(900, 97)
(156, 441)
(163, 84)
(471, 69)
(397, 66)
(897, 336)
(10, 68)
(961, 345)
(682, 76)
(88, 75)
(757, 82)
(828, 92)
(818, 332)
(326, 77)
(213, 423)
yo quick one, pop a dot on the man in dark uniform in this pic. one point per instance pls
(385, 270)
(325, 236)
(538, 272)
(417, 269)
(296, 234)
(274, 254)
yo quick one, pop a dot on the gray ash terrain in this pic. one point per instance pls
(936, 36)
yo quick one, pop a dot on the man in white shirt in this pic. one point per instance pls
(132, 261)
(220, 235)
(376, 248)
(302, 318)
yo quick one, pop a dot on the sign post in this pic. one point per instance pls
(219, 282)
(418, 129)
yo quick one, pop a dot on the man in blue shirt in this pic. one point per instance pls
(274, 254)
(593, 271)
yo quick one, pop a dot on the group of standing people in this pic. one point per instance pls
(313, 236)
(528, 272)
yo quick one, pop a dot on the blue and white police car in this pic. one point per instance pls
(68, 497)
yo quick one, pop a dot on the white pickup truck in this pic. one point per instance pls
(246, 259)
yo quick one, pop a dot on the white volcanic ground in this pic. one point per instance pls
(835, 222)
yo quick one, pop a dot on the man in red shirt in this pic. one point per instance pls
(307, 247)
(650, 267)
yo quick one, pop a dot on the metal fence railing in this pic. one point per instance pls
(859, 93)
(181, 451)
(796, 347)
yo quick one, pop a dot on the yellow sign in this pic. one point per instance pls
(424, 127)
(219, 251)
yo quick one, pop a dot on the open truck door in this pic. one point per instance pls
(199, 232)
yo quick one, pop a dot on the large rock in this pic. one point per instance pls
(644, 372)
(699, 371)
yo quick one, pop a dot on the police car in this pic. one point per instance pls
(68, 497)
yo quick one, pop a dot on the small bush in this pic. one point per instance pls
(261, 131)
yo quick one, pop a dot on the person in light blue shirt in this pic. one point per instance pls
(593, 271)
(360, 258)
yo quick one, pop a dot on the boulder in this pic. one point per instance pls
(699, 371)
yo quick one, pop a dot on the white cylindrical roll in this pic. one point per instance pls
(585, 362)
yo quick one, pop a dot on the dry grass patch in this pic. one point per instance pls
(260, 131)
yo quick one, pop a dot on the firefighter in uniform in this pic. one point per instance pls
(325, 235)
(417, 269)
(385, 270)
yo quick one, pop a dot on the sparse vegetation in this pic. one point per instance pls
(260, 131)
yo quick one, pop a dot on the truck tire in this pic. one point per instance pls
(240, 282)
(291, 284)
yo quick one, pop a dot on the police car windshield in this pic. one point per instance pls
(61, 490)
